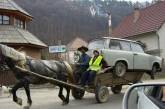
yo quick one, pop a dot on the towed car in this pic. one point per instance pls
(126, 55)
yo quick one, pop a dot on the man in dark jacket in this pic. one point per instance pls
(82, 64)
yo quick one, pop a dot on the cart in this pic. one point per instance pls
(104, 79)
(108, 78)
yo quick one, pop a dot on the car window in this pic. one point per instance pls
(136, 48)
(125, 45)
(98, 44)
(148, 90)
(115, 44)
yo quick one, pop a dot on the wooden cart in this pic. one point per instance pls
(107, 78)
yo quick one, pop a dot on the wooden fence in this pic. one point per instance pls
(7, 78)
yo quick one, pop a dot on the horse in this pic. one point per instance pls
(60, 70)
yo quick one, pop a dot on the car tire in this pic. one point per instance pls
(120, 69)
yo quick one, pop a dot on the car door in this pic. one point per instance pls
(141, 59)
(119, 50)
(144, 102)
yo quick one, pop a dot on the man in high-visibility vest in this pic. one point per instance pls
(95, 64)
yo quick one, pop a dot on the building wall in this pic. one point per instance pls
(33, 52)
(30, 51)
(161, 34)
(150, 39)
(7, 78)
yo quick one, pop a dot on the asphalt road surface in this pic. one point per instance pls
(48, 99)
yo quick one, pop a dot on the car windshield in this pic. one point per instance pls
(97, 44)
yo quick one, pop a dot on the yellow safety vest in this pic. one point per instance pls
(96, 64)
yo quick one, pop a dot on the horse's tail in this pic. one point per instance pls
(69, 71)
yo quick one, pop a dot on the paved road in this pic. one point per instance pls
(47, 99)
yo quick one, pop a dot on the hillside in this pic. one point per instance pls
(64, 19)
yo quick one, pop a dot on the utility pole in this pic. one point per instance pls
(59, 54)
(109, 25)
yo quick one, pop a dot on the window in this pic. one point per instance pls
(4, 20)
(115, 45)
(98, 44)
(125, 45)
(0, 19)
(136, 48)
(19, 23)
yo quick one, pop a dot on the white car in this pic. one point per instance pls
(145, 96)
(126, 55)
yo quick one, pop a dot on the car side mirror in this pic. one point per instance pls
(145, 96)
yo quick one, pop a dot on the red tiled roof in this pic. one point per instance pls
(150, 20)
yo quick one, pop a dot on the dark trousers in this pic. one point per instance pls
(88, 77)
(78, 73)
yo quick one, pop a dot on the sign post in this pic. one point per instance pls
(57, 49)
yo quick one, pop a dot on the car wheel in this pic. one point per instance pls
(120, 69)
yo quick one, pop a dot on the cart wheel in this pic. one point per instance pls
(102, 94)
(116, 89)
(153, 72)
(77, 93)
(120, 69)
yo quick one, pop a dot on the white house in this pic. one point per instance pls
(146, 25)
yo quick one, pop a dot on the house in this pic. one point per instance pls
(76, 43)
(146, 25)
(72, 47)
(13, 23)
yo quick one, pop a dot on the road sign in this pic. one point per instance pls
(57, 49)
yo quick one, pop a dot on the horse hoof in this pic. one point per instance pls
(29, 103)
(65, 103)
(26, 107)
(19, 101)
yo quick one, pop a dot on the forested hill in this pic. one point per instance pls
(66, 19)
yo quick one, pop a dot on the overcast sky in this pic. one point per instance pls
(138, 0)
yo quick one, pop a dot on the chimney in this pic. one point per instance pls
(136, 13)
